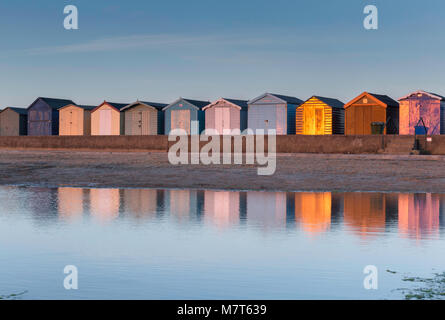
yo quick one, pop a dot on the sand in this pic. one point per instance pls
(295, 172)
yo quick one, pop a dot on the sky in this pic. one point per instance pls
(205, 49)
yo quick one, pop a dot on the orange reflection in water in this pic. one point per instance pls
(419, 214)
(221, 208)
(104, 204)
(140, 203)
(313, 211)
(267, 209)
(70, 203)
(365, 212)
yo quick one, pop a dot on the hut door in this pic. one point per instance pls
(181, 120)
(319, 123)
(222, 119)
(137, 123)
(104, 122)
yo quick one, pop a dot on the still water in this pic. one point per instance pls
(187, 244)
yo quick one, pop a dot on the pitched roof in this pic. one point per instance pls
(385, 99)
(197, 103)
(432, 95)
(157, 105)
(288, 99)
(54, 103)
(18, 110)
(240, 103)
(334, 103)
(118, 106)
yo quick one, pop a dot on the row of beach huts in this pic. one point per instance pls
(288, 115)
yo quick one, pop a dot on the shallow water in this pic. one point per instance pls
(186, 244)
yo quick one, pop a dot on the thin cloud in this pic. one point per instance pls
(147, 41)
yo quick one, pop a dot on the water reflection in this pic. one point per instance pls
(366, 215)
(313, 211)
(419, 214)
(104, 204)
(70, 203)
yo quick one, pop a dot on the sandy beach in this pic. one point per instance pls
(295, 172)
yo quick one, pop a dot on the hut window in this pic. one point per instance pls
(180, 104)
(365, 100)
(419, 95)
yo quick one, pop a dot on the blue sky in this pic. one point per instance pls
(205, 49)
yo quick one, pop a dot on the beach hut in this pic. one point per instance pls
(43, 116)
(320, 116)
(426, 106)
(13, 122)
(226, 114)
(368, 108)
(273, 111)
(144, 118)
(180, 114)
(75, 120)
(107, 119)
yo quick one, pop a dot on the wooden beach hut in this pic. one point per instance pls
(107, 119)
(13, 122)
(226, 114)
(367, 108)
(43, 116)
(422, 105)
(144, 118)
(75, 120)
(273, 111)
(181, 113)
(320, 116)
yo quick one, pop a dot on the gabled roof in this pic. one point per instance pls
(431, 95)
(117, 106)
(334, 103)
(23, 111)
(382, 99)
(53, 102)
(288, 99)
(240, 104)
(156, 105)
(196, 103)
(79, 105)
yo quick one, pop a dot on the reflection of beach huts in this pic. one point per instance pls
(107, 119)
(367, 108)
(140, 203)
(365, 212)
(423, 105)
(221, 208)
(104, 204)
(273, 112)
(43, 116)
(320, 116)
(75, 120)
(313, 211)
(70, 203)
(226, 114)
(185, 205)
(180, 114)
(419, 214)
(144, 118)
(267, 210)
(13, 122)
